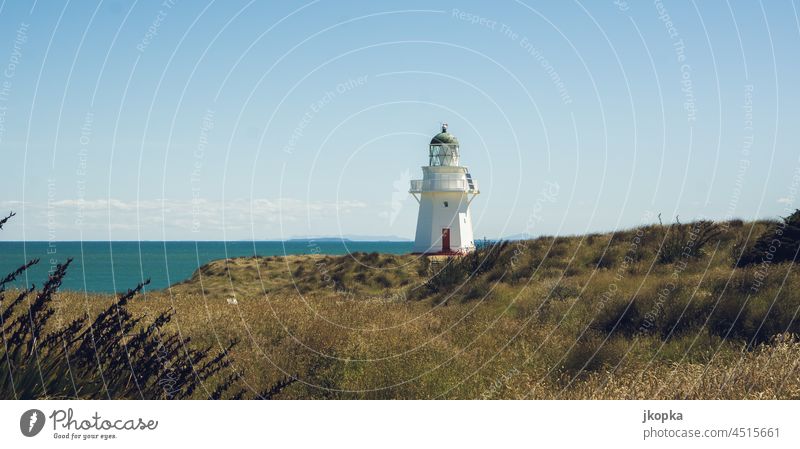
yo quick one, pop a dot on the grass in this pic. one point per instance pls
(607, 316)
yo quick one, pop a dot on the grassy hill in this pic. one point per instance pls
(653, 312)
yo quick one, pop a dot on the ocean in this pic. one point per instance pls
(109, 267)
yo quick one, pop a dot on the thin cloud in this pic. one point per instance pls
(167, 216)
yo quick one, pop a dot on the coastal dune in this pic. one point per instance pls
(634, 314)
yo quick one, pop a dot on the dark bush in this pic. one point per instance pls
(383, 281)
(478, 290)
(687, 241)
(591, 352)
(779, 243)
(562, 291)
(489, 258)
(424, 266)
(448, 276)
(622, 317)
(736, 223)
(603, 259)
(755, 319)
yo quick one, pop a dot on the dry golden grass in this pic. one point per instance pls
(550, 318)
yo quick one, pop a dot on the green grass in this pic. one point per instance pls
(598, 316)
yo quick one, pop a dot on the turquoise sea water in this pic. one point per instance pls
(117, 266)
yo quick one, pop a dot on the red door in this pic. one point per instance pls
(445, 240)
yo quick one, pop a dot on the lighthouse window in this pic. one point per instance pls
(445, 204)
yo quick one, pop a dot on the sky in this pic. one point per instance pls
(235, 120)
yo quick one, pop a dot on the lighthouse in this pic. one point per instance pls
(444, 223)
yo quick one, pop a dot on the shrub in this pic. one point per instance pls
(485, 258)
(522, 272)
(779, 243)
(618, 317)
(424, 266)
(757, 318)
(682, 314)
(447, 277)
(562, 291)
(736, 223)
(591, 353)
(687, 241)
(478, 290)
(383, 281)
(603, 259)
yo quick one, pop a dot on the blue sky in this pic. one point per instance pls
(267, 120)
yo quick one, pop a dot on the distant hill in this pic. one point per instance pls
(523, 236)
(319, 239)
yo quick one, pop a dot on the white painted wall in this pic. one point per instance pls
(440, 187)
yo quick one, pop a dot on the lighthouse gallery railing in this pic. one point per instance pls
(442, 185)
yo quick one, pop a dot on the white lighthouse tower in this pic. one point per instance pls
(444, 223)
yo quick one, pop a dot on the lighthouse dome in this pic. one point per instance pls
(444, 138)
